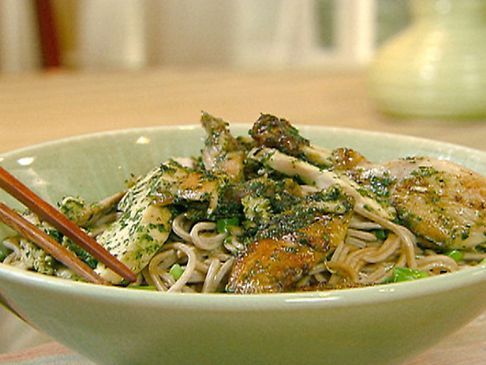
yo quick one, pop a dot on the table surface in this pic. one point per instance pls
(39, 107)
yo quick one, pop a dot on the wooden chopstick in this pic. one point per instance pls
(44, 241)
(54, 217)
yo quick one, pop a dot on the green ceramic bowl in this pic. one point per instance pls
(374, 325)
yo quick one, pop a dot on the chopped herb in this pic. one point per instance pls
(4, 252)
(224, 225)
(380, 234)
(84, 255)
(424, 171)
(368, 208)
(380, 185)
(55, 234)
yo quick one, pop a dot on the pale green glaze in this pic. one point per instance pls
(376, 325)
(436, 68)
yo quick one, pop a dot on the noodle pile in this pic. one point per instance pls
(362, 259)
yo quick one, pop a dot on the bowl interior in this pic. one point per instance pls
(95, 166)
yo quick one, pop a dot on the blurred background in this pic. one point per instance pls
(134, 34)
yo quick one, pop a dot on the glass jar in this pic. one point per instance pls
(436, 68)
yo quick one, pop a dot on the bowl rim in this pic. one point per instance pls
(330, 298)
(435, 144)
(226, 301)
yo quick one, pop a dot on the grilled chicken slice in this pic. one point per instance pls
(346, 159)
(281, 147)
(84, 214)
(179, 183)
(292, 243)
(321, 179)
(144, 221)
(319, 221)
(271, 266)
(222, 152)
(327, 231)
(141, 229)
(271, 131)
(440, 201)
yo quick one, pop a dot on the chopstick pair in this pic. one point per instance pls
(54, 217)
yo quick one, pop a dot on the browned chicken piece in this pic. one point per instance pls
(328, 231)
(274, 132)
(292, 243)
(85, 215)
(346, 159)
(181, 183)
(271, 131)
(195, 186)
(222, 152)
(271, 266)
(440, 201)
(319, 229)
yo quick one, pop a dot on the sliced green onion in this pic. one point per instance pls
(224, 225)
(381, 234)
(142, 287)
(406, 274)
(456, 255)
(176, 271)
(4, 252)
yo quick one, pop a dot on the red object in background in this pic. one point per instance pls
(47, 34)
